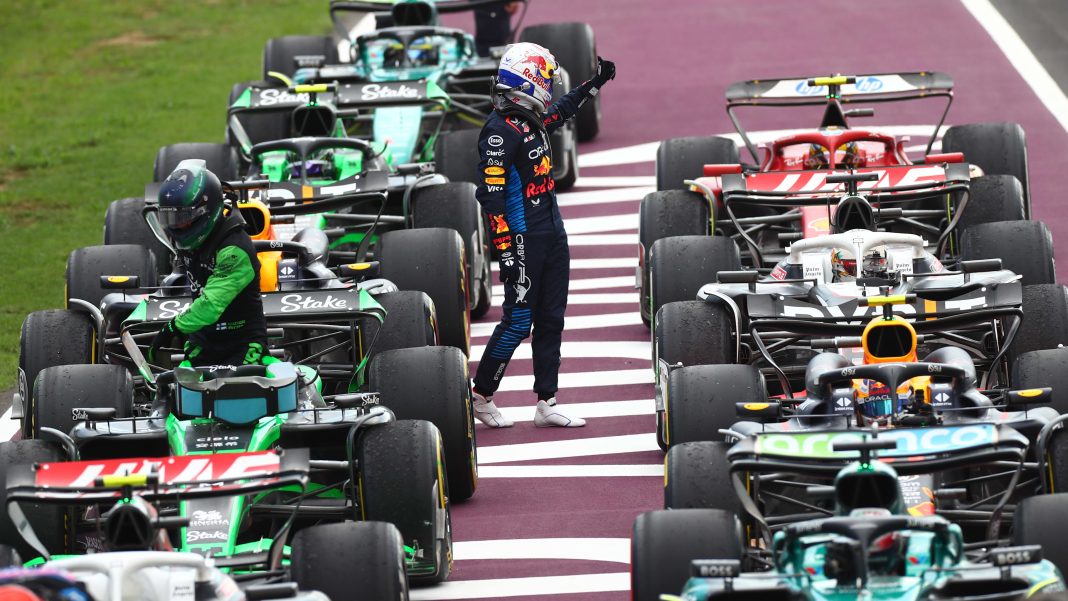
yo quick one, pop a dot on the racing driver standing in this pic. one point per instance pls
(516, 189)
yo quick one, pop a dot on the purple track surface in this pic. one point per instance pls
(552, 515)
(674, 61)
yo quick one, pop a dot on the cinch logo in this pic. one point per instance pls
(912, 442)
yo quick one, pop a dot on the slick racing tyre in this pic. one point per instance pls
(431, 383)
(667, 214)
(61, 389)
(85, 267)
(1040, 521)
(431, 260)
(49, 521)
(993, 198)
(409, 323)
(575, 49)
(680, 266)
(279, 53)
(1024, 247)
(124, 223)
(700, 400)
(564, 141)
(694, 333)
(454, 206)
(996, 148)
(697, 476)
(1045, 320)
(220, 159)
(401, 483)
(50, 338)
(340, 559)
(663, 543)
(680, 159)
(1038, 369)
(456, 155)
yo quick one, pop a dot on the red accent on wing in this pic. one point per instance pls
(945, 157)
(716, 170)
(190, 469)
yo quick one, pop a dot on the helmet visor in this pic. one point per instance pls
(180, 218)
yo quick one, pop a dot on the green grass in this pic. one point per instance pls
(90, 90)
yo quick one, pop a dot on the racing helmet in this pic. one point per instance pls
(526, 74)
(874, 264)
(190, 204)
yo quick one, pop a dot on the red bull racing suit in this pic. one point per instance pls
(517, 189)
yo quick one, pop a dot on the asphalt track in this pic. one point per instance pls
(552, 515)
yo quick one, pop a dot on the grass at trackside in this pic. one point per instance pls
(89, 90)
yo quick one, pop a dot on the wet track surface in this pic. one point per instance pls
(552, 515)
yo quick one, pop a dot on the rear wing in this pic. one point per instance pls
(918, 451)
(874, 87)
(156, 478)
(836, 90)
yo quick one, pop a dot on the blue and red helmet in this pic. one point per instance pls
(527, 70)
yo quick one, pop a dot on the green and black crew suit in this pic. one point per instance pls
(224, 324)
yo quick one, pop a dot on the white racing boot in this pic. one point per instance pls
(547, 415)
(488, 413)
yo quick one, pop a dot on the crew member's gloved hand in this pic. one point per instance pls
(164, 338)
(606, 70)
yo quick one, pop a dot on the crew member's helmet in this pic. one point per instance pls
(526, 75)
(190, 204)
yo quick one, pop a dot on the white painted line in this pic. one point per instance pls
(617, 298)
(8, 427)
(540, 586)
(559, 449)
(625, 349)
(641, 153)
(600, 197)
(651, 470)
(620, 263)
(615, 181)
(588, 410)
(579, 322)
(604, 240)
(619, 281)
(615, 550)
(603, 223)
(583, 379)
(1021, 57)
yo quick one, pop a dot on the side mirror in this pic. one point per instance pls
(359, 270)
(770, 411)
(119, 282)
(93, 414)
(1029, 396)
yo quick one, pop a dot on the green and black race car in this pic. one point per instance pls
(154, 528)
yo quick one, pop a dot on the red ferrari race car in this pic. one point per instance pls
(970, 200)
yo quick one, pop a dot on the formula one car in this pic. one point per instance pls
(959, 199)
(342, 188)
(864, 545)
(160, 528)
(398, 40)
(822, 295)
(347, 331)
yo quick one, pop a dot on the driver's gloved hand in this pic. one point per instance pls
(606, 71)
(166, 337)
